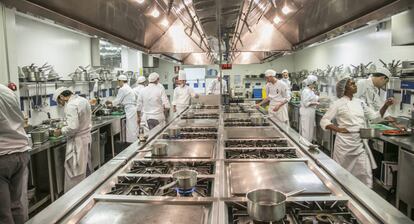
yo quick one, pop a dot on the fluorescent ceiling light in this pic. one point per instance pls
(140, 1)
(277, 20)
(286, 10)
(155, 13)
(165, 22)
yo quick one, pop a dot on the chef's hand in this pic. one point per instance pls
(342, 130)
(174, 109)
(390, 101)
(276, 108)
(57, 132)
(258, 106)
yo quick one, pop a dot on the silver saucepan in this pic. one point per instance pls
(267, 205)
(183, 180)
(157, 149)
(368, 133)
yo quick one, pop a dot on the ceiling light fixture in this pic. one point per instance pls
(155, 13)
(140, 1)
(286, 10)
(165, 22)
(187, 2)
(277, 20)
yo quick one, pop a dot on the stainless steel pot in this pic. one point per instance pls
(267, 205)
(40, 135)
(368, 133)
(186, 179)
(157, 149)
(257, 120)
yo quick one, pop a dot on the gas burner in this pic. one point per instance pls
(244, 124)
(256, 143)
(268, 153)
(198, 129)
(169, 167)
(151, 186)
(229, 120)
(185, 193)
(301, 212)
(201, 116)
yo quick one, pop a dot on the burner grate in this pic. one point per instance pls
(270, 153)
(252, 143)
(169, 167)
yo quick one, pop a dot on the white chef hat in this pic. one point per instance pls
(384, 71)
(122, 78)
(340, 87)
(182, 75)
(311, 79)
(270, 73)
(285, 70)
(59, 91)
(141, 79)
(153, 77)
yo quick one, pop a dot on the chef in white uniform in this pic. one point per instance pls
(309, 101)
(182, 94)
(351, 114)
(214, 87)
(277, 97)
(140, 85)
(126, 96)
(285, 78)
(369, 90)
(14, 158)
(78, 132)
(153, 103)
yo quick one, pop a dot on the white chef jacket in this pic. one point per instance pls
(278, 93)
(307, 113)
(370, 94)
(125, 96)
(182, 97)
(138, 90)
(13, 137)
(152, 101)
(350, 151)
(214, 87)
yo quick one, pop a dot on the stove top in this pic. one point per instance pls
(168, 167)
(192, 135)
(151, 186)
(201, 116)
(306, 212)
(253, 143)
(268, 153)
(247, 123)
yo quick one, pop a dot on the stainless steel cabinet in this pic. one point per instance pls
(58, 168)
(95, 149)
(405, 192)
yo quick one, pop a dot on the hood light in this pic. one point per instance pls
(165, 22)
(140, 1)
(155, 13)
(286, 10)
(277, 20)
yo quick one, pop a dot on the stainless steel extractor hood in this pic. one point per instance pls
(403, 28)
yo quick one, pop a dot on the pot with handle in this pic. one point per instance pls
(368, 133)
(183, 179)
(267, 205)
(157, 149)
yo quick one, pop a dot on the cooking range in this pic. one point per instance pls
(159, 186)
(298, 212)
(169, 167)
(263, 153)
(201, 116)
(253, 143)
(242, 123)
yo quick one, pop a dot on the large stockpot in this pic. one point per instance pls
(267, 205)
(157, 149)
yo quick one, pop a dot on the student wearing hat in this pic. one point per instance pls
(277, 97)
(153, 103)
(126, 96)
(78, 132)
(182, 94)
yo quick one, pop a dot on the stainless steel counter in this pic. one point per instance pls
(129, 191)
(405, 142)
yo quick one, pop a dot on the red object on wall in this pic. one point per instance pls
(176, 69)
(226, 66)
(12, 86)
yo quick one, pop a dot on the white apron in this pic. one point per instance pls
(76, 159)
(353, 154)
(180, 108)
(281, 115)
(131, 123)
(307, 122)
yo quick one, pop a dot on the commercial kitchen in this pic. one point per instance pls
(224, 157)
